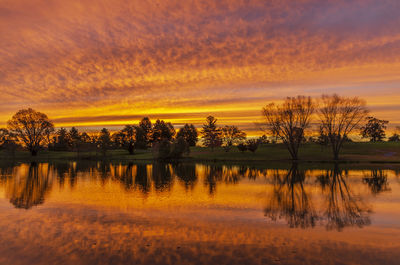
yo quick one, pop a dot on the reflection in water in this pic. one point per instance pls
(377, 181)
(343, 208)
(301, 198)
(29, 188)
(293, 203)
(290, 201)
(186, 174)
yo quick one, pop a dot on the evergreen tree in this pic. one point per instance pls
(162, 130)
(104, 141)
(211, 134)
(189, 133)
(146, 126)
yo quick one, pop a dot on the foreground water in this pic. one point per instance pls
(112, 213)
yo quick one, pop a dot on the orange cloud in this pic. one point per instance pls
(76, 60)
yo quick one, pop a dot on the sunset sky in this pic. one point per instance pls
(106, 63)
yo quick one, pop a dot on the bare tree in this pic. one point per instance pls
(289, 120)
(339, 117)
(232, 135)
(31, 128)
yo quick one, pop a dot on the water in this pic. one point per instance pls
(116, 213)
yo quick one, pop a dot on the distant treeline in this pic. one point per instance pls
(335, 117)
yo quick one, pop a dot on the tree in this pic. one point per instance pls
(62, 142)
(162, 149)
(7, 141)
(211, 134)
(30, 128)
(339, 116)
(74, 137)
(145, 125)
(289, 120)
(128, 137)
(252, 145)
(242, 147)
(104, 141)
(189, 133)
(232, 135)
(263, 139)
(394, 138)
(141, 138)
(374, 129)
(179, 148)
(162, 130)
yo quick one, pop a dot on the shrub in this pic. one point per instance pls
(242, 147)
(252, 145)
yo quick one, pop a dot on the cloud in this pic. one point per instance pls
(75, 58)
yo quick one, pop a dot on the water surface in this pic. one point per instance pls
(120, 213)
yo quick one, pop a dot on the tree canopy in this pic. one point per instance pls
(374, 129)
(211, 134)
(30, 128)
(289, 120)
(339, 116)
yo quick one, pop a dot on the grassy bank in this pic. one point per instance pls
(352, 152)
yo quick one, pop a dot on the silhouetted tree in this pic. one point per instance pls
(74, 134)
(146, 126)
(289, 120)
(62, 140)
(141, 138)
(104, 141)
(211, 134)
(323, 138)
(252, 145)
(162, 130)
(8, 141)
(74, 138)
(128, 138)
(189, 133)
(179, 148)
(374, 129)
(394, 138)
(242, 147)
(339, 117)
(30, 128)
(232, 135)
(263, 139)
(162, 149)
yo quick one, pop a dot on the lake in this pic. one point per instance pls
(123, 213)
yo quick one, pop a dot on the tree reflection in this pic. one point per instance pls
(29, 190)
(342, 207)
(377, 181)
(212, 175)
(142, 180)
(162, 176)
(290, 201)
(186, 173)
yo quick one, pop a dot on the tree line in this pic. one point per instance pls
(336, 117)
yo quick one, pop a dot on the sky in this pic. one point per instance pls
(107, 63)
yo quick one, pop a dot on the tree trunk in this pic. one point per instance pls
(131, 149)
(33, 152)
